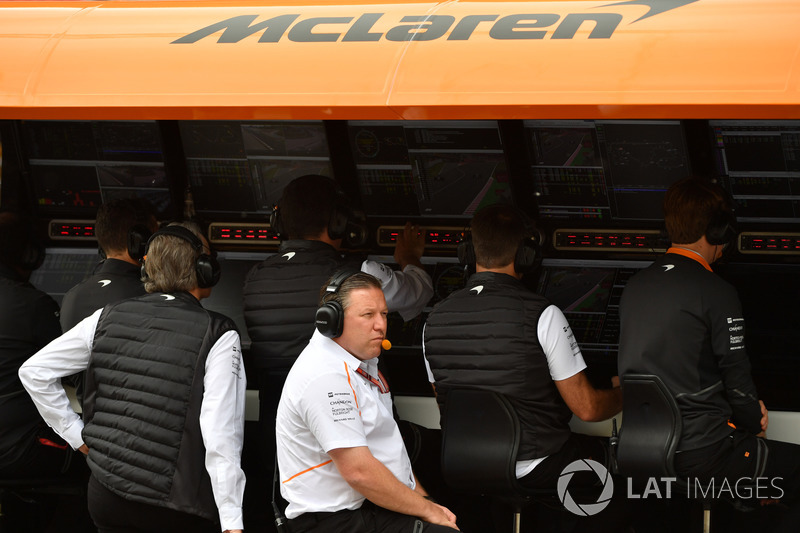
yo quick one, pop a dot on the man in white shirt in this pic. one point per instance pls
(163, 417)
(343, 465)
(497, 334)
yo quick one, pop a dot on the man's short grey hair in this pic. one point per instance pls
(170, 262)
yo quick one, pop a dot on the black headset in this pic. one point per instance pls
(329, 318)
(205, 266)
(526, 258)
(341, 216)
(138, 238)
(722, 228)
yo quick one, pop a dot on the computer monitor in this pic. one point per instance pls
(77, 165)
(428, 169)
(239, 169)
(588, 292)
(758, 162)
(600, 172)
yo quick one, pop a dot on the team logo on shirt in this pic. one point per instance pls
(667, 268)
(288, 255)
(104, 282)
(477, 289)
(168, 297)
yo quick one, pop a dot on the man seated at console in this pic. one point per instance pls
(343, 465)
(497, 334)
(683, 323)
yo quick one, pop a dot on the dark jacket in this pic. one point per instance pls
(485, 336)
(28, 321)
(115, 280)
(144, 393)
(684, 324)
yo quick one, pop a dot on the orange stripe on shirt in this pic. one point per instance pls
(307, 470)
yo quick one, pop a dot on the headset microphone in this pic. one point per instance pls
(386, 345)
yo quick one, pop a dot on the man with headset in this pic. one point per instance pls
(343, 465)
(281, 293)
(122, 228)
(683, 323)
(498, 334)
(163, 418)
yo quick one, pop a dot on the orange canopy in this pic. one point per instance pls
(601, 59)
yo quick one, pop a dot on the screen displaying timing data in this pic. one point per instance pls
(77, 165)
(430, 169)
(588, 293)
(63, 268)
(238, 169)
(604, 171)
(759, 164)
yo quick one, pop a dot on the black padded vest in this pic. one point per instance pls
(485, 336)
(144, 393)
(281, 296)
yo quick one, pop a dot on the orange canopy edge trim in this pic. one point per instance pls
(707, 59)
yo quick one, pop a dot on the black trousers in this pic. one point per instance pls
(743, 456)
(114, 514)
(368, 519)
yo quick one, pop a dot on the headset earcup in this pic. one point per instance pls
(337, 226)
(527, 256)
(466, 252)
(137, 241)
(722, 229)
(329, 319)
(208, 271)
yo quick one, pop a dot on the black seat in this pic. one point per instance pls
(480, 440)
(648, 438)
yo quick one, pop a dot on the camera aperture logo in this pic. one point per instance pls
(585, 509)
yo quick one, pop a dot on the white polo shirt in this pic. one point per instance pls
(327, 405)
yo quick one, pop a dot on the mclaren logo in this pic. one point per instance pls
(104, 282)
(478, 289)
(667, 268)
(288, 255)
(360, 27)
(168, 297)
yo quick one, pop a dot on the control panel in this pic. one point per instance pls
(251, 234)
(590, 240)
(443, 238)
(767, 242)
(71, 230)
